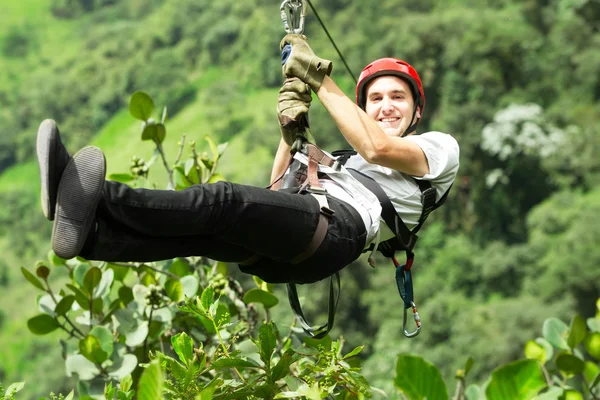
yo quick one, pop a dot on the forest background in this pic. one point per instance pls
(517, 83)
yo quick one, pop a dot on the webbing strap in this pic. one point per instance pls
(320, 231)
(323, 330)
(388, 212)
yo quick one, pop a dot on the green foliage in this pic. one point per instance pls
(517, 233)
(122, 317)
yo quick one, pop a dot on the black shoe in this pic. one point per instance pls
(79, 192)
(52, 159)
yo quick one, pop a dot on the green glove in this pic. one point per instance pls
(303, 63)
(292, 110)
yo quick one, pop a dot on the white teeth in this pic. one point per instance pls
(389, 119)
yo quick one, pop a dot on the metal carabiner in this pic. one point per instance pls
(292, 15)
(417, 321)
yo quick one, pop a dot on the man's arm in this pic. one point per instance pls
(367, 138)
(281, 162)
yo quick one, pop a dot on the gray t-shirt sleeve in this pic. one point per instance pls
(442, 153)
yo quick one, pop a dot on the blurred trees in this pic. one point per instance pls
(516, 82)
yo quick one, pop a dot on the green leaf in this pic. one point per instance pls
(592, 344)
(535, 351)
(174, 290)
(577, 332)
(138, 335)
(418, 379)
(256, 295)
(125, 294)
(97, 306)
(180, 267)
(282, 369)
(105, 337)
(474, 392)
(122, 367)
(554, 393)
(64, 305)
(190, 285)
(79, 273)
(141, 106)
(223, 146)
(47, 305)
(154, 131)
(91, 279)
(206, 299)
(151, 382)
(126, 383)
(84, 368)
(80, 297)
(264, 391)
(123, 178)
(208, 391)
(594, 324)
(32, 279)
(569, 364)
(234, 363)
(105, 283)
(520, 380)
(353, 352)
(547, 347)
(216, 178)
(324, 342)
(181, 181)
(42, 324)
(556, 332)
(213, 148)
(14, 388)
(590, 371)
(56, 260)
(184, 347)
(119, 271)
(469, 365)
(89, 347)
(267, 342)
(573, 395)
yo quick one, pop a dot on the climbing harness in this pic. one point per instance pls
(307, 182)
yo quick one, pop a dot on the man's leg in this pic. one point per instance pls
(274, 225)
(115, 242)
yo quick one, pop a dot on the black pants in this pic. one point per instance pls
(226, 222)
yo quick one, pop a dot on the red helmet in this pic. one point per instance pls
(390, 66)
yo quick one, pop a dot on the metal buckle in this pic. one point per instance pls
(292, 15)
(417, 319)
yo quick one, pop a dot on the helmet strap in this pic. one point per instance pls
(411, 127)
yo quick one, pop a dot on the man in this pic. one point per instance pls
(275, 235)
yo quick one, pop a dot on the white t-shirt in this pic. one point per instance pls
(442, 153)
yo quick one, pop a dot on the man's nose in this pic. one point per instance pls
(386, 104)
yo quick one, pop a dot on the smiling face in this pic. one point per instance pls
(390, 102)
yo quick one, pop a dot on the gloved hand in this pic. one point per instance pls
(292, 109)
(303, 63)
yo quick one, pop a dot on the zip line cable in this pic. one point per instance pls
(332, 41)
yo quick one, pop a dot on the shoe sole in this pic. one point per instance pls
(79, 192)
(47, 139)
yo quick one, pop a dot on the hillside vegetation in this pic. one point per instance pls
(516, 82)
